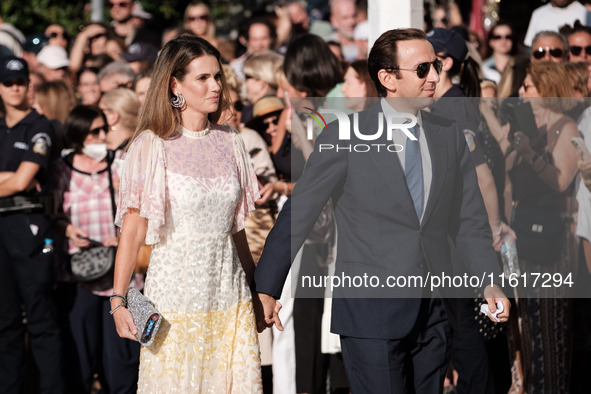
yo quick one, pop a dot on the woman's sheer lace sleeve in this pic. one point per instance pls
(143, 184)
(248, 183)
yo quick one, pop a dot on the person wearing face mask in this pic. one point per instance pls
(26, 274)
(86, 181)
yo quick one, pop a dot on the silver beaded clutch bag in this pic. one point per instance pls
(145, 316)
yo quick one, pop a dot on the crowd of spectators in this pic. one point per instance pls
(78, 99)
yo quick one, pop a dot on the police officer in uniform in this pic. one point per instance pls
(26, 273)
(470, 356)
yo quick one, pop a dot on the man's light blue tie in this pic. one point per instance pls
(413, 170)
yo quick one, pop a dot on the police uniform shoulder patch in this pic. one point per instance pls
(41, 143)
(469, 135)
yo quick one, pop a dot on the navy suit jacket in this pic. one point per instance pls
(378, 230)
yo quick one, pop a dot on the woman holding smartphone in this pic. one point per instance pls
(542, 172)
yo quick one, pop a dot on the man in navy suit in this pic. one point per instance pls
(395, 212)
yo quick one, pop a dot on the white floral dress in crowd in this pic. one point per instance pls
(196, 189)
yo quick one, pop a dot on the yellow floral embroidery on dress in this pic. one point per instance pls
(214, 338)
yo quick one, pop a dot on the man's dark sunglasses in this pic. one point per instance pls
(554, 52)
(98, 130)
(423, 69)
(576, 50)
(12, 82)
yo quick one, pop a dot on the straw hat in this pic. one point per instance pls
(265, 107)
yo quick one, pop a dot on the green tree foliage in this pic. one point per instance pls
(32, 16)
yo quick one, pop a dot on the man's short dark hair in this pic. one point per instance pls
(578, 27)
(384, 54)
(310, 66)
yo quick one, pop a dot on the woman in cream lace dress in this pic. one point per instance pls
(187, 187)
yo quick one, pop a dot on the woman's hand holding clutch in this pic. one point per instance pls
(123, 320)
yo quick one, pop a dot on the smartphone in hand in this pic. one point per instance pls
(521, 118)
(92, 241)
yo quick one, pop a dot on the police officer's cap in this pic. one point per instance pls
(448, 41)
(12, 67)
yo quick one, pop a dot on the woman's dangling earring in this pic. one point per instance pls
(178, 101)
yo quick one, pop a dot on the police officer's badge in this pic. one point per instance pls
(469, 135)
(40, 144)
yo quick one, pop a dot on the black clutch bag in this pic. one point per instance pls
(93, 263)
(146, 317)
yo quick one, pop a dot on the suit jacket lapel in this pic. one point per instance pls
(388, 164)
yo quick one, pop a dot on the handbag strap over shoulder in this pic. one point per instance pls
(110, 159)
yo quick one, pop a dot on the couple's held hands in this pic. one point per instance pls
(267, 193)
(492, 295)
(266, 309)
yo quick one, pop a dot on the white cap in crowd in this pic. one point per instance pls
(53, 57)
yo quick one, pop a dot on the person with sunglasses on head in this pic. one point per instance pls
(395, 212)
(86, 181)
(549, 46)
(26, 271)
